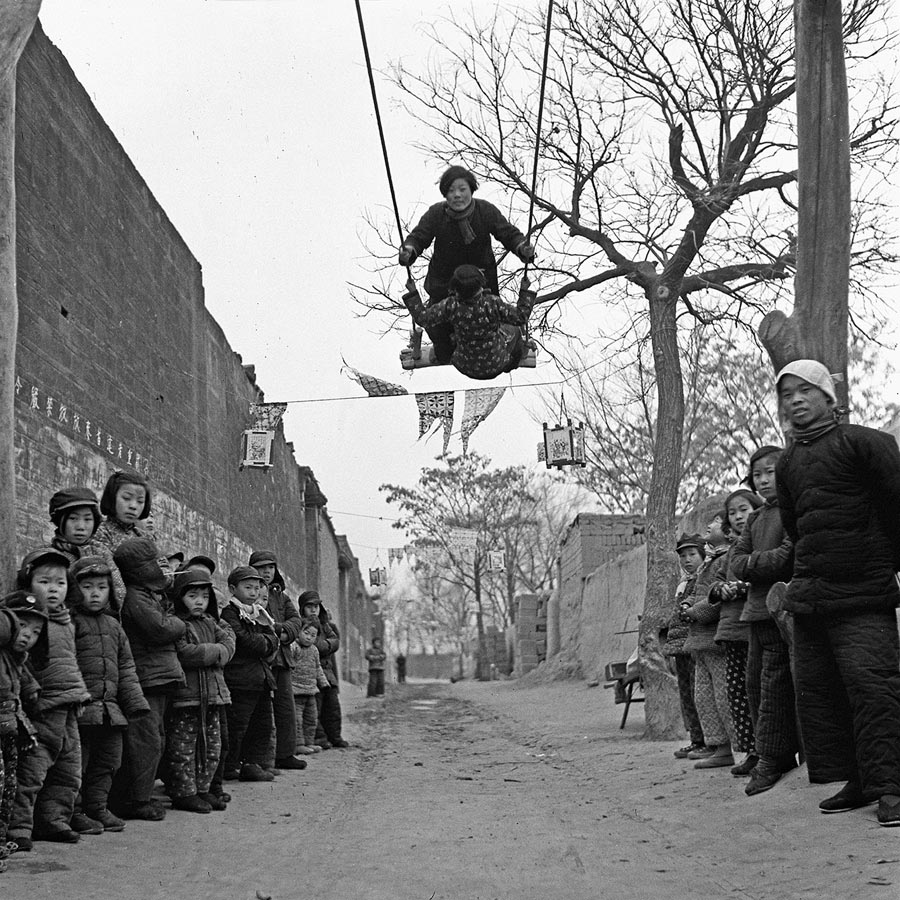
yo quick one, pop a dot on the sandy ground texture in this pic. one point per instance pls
(493, 791)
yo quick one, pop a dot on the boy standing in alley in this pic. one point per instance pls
(839, 492)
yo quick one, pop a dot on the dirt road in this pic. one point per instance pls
(485, 792)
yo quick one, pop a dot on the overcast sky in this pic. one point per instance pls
(251, 121)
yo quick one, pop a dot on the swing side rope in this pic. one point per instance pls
(384, 151)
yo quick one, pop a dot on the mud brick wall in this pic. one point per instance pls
(531, 631)
(119, 363)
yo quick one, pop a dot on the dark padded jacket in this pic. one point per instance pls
(288, 624)
(450, 250)
(153, 633)
(762, 555)
(328, 642)
(840, 496)
(255, 645)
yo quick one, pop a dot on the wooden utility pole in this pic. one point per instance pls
(818, 326)
(17, 18)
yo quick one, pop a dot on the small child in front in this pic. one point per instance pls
(307, 677)
(23, 618)
(50, 775)
(376, 658)
(107, 666)
(249, 678)
(690, 550)
(193, 734)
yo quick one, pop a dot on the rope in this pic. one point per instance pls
(537, 141)
(387, 163)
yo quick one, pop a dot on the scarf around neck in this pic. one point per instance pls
(813, 431)
(462, 218)
(255, 613)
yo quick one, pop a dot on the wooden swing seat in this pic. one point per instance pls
(426, 359)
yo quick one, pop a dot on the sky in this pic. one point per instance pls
(252, 123)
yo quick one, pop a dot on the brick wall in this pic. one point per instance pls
(119, 363)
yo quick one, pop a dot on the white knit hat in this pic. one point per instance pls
(812, 371)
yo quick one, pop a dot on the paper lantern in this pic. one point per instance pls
(564, 445)
(256, 448)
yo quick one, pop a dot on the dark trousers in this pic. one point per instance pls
(329, 703)
(847, 670)
(285, 714)
(49, 775)
(684, 671)
(376, 683)
(770, 690)
(250, 726)
(101, 758)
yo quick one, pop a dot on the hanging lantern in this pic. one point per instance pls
(564, 445)
(256, 448)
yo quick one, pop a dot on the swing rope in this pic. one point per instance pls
(537, 141)
(384, 151)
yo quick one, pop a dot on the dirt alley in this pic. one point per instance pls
(485, 792)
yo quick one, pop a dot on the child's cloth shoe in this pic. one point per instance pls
(306, 751)
(215, 803)
(107, 819)
(745, 766)
(682, 752)
(850, 796)
(84, 824)
(58, 836)
(231, 774)
(888, 813)
(767, 773)
(290, 762)
(222, 796)
(340, 742)
(254, 772)
(147, 812)
(701, 752)
(23, 844)
(721, 758)
(191, 803)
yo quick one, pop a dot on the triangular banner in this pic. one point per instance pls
(373, 386)
(436, 406)
(480, 404)
(266, 416)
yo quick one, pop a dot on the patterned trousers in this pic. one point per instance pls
(711, 696)
(770, 690)
(684, 670)
(192, 757)
(307, 719)
(736, 684)
(9, 762)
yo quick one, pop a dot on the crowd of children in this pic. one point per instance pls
(783, 631)
(116, 672)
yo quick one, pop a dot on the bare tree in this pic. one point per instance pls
(667, 185)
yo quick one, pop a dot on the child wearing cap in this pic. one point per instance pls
(732, 634)
(690, 550)
(488, 335)
(286, 618)
(307, 678)
(107, 666)
(710, 682)
(22, 620)
(328, 641)
(76, 514)
(839, 492)
(763, 555)
(50, 775)
(249, 678)
(193, 734)
(153, 632)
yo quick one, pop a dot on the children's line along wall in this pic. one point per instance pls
(119, 363)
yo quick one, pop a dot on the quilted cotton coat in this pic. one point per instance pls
(255, 644)
(54, 665)
(153, 634)
(840, 501)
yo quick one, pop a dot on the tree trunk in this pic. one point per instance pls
(17, 18)
(661, 708)
(817, 326)
(481, 667)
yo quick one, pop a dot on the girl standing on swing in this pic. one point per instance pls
(461, 228)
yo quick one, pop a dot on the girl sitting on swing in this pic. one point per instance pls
(488, 333)
(461, 228)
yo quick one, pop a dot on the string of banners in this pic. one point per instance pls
(437, 407)
(259, 439)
